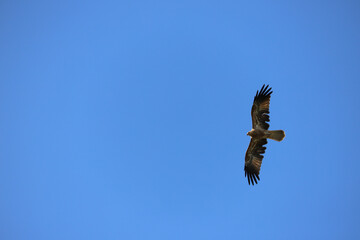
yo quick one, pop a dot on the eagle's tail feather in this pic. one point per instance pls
(277, 135)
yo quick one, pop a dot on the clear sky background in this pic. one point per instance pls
(128, 119)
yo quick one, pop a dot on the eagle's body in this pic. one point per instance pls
(259, 134)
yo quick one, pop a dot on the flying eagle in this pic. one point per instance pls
(259, 134)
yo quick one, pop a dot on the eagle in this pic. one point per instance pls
(259, 134)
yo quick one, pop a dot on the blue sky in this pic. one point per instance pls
(128, 119)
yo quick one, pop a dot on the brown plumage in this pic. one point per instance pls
(259, 134)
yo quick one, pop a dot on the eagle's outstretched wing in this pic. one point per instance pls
(260, 109)
(253, 159)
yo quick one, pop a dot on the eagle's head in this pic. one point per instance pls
(251, 133)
